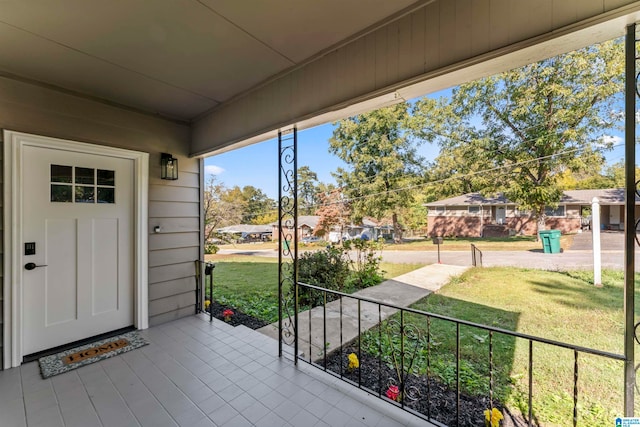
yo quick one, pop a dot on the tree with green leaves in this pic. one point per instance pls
(414, 217)
(612, 176)
(219, 211)
(308, 191)
(382, 160)
(454, 172)
(251, 201)
(526, 126)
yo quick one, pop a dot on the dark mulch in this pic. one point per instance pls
(238, 318)
(441, 406)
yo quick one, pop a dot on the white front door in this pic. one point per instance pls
(78, 230)
(614, 215)
(501, 214)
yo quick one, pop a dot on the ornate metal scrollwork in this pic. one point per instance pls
(630, 127)
(403, 358)
(637, 339)
(287, 226)
(637, 220)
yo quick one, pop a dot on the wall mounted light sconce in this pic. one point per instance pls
(168, 167)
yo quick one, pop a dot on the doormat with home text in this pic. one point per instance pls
(83, 355)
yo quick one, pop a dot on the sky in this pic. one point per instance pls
(257, 165)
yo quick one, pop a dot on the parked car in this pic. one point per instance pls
(365, 235)
(310, 239)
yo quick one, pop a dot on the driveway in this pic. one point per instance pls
(609, 241)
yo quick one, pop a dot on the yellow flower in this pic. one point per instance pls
(353, 361)
(207, 303)
(492, 417)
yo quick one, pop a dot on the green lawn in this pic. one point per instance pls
(250, 283)
(515, 243)
(559, 306)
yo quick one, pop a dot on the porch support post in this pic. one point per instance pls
(629, 220)
(595, 237)
(288, 240)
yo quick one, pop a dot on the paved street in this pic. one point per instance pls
(577, 257)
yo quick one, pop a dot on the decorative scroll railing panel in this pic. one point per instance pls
(287, 238)
(632, 91)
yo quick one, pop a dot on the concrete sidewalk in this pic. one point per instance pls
(400, 291)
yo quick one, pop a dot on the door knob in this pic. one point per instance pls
(32, 266)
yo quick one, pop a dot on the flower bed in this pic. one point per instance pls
(236, 317)
(380, 379)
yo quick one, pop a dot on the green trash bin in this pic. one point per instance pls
(544, 237)
(550, 241)
(286, 245)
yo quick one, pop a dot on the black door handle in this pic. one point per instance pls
(32, 265)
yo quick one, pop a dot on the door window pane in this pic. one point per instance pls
(106, 195)
(106, 177)
(85, 194)
(61, 173)
(82, 185)
(84, 176)
(61, 193)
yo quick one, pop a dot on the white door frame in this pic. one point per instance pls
(13, 196)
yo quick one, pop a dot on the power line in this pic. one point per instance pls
(426, 184)
(453, 138)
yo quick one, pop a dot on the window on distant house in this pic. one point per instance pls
(559, 211)
(439, 210)
(474, 210)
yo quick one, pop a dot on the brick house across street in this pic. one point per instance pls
(475, 215)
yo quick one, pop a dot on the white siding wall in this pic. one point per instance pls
(173, 205)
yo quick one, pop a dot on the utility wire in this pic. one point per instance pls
(426, 184)
(465, 141)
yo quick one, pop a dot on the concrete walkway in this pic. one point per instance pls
(401, 291)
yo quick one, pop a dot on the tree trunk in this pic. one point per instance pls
(397, 229)
(541, 224)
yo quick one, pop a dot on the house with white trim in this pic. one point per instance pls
(475, 215)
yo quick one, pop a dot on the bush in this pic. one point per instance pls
(210, 248)
(366, 266)
(328, 268)
(332, 269)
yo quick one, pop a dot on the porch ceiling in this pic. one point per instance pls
(177, 58)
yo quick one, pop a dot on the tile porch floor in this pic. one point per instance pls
(192, 374)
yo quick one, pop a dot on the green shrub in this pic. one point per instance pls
(328, 268)
(332, 268)
(210, 248)
(366, 265)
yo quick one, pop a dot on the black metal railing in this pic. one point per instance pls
(199, 289)
(204, 280)
(408, 335)
(476, 256)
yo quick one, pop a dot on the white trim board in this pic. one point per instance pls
(13, 144)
